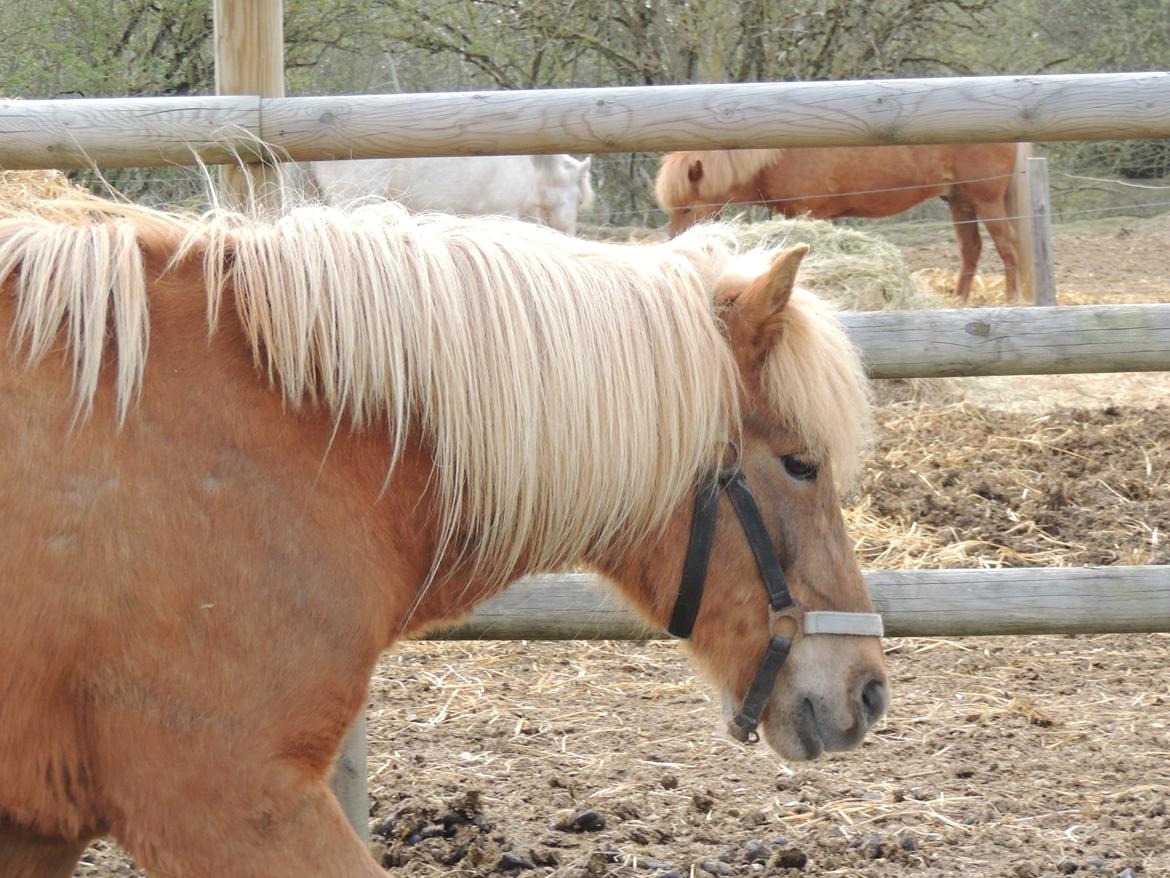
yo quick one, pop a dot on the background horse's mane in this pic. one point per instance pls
(571, 391)
(723, 170)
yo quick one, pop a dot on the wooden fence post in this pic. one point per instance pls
(249, 60)
(1040, 209)
(1030, 204)
(349, 779)
(1019, 203)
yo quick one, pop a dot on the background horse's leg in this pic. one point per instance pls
(25, 854)
(995, 217)
(970, 244)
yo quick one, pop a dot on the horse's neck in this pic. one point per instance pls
(478, 185)
(739, 168)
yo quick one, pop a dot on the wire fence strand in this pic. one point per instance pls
(189, 182)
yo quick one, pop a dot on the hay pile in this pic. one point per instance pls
(965, 486)
(854, 270)
(989, 291)
(21, 190)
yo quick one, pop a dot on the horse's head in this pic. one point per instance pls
(679, 190)
(833, 685)
(757, 621)
(584, 185)
(564, 190)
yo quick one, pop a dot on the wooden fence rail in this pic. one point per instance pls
(942, 603)
(1012, 341)
(127, 132)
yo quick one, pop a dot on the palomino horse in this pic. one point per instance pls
(869, 181)
(352, 425)
(549, 189)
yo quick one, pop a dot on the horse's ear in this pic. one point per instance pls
(695, 171)
(757, 316)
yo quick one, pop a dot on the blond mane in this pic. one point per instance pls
(723, 170)
(571, 391)
(814, 376)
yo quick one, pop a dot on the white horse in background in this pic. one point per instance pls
(549, 189)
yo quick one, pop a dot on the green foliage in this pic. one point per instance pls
(1128, 35)
(1058, 36)
(113, 48)
(107, 48)
(97, 48)
(527, 44)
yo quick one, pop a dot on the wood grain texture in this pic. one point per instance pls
(249, 59)
(855, 113)
(1040, 211)
(348, 780)
(918, 603)
(1018, 202)
(1048, 600)
(127, 132)
(598, 120)
(1012, 341)
(249, 47)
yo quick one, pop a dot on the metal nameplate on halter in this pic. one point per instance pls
(835, 622)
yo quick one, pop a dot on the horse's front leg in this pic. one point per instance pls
(25, 854)
(278, 826)
(236, 783)
(1000, 228)
(970, 244)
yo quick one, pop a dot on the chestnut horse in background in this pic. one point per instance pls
(356, 424)
(865, 181)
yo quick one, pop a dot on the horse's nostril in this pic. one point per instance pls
(874, 697)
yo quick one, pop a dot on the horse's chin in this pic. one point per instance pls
(790, 733)
(793, 734)
(797, 731)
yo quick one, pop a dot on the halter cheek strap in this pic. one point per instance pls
(694, 573)
(743, 724)
(775, 582)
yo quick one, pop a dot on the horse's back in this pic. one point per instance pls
(877, 181)
(994, 157)
(547, 188)
(342, 182)
(504, 185)
(474, 185)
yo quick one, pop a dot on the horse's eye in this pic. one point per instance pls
(799, 467)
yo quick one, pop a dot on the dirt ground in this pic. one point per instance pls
(1019, 757)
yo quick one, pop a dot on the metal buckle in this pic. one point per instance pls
(739, 733)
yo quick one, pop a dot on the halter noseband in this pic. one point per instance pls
(731, 479)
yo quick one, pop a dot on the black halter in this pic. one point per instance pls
(731, 479)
